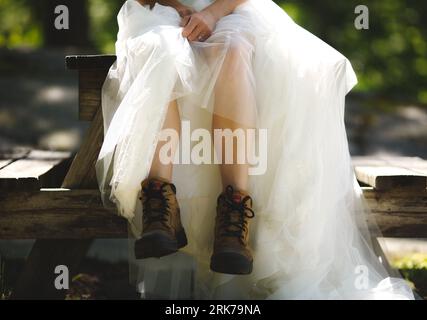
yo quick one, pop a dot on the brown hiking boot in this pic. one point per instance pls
(162, 231)
(231, 252)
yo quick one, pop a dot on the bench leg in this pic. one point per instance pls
(37, 279)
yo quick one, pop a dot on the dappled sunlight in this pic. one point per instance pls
(54, 94)
(61, 140)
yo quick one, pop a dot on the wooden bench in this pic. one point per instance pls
(24, 169)
(64, 212)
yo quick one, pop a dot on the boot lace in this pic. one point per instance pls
(155, 204)
(234, 218)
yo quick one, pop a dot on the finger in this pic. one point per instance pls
(185, 20)
(198, 34)
(189, 27)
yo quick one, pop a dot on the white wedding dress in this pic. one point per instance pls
(309, 234)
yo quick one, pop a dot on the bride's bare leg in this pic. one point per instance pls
(162, 230)
(172, 121)
(235, 109)
(233, 174)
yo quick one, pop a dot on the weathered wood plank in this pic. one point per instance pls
(92, 72)
(37, 169)
(79, 214)
(90, 102)
(90, 95)
(57, 214)
(4, 163)
(75, 62)
(415, 164)
(401, 214)
(34, 164)
(387, 178)
(92, 78)
(90, 86)
(82, 172)
(391, 172)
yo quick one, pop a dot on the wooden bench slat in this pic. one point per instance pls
(391, 173)
(76, 62)
(415, 164)
(79, 214)
(398, 161)
(401, 214)
(32, 171)
(4, 163)
(387, 178)
(27, 168)
(57, 214)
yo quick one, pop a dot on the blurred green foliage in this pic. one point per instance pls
(18, 25)
(414, 269)
(104, 23)
(390, 58)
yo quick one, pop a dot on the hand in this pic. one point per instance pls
(198, 26)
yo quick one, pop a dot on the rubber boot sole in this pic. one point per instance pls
(157, 244)
(231, 263)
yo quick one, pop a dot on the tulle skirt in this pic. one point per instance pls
(309, 234)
